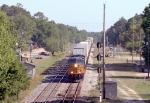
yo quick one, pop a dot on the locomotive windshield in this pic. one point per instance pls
(76, 60)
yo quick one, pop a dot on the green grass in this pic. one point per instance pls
(42, 65)
(125, 72)
(127, 75)
(126, 54)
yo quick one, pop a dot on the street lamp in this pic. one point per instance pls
(19, 51)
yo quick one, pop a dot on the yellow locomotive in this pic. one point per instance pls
(76, 67)
(77, 63)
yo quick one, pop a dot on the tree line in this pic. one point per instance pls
(13, 77)
(44, 33)
(17, 25)
(126, 33)
(132, 34)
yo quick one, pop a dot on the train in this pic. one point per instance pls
(78, 61)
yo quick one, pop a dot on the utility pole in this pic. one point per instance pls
(148, 55)
(107, 41)
(104, 55)
(140, 49)
(132, 46)
(117, 41)
(132, 43)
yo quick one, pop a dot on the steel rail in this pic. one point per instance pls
(38, 98)
(74, 96)
(62, 101)
(76, 93)
(55, 87)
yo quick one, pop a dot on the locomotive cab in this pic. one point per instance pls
(76, 67)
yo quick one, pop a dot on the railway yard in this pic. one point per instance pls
(57, 88)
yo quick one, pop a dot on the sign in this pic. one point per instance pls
(25, 54)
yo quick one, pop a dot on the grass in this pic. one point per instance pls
(125, 72)
(127, 75)
(42, 65)
(127, 54)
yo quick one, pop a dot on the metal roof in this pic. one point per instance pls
(80, 46)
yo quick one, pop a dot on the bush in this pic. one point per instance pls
(58, 53)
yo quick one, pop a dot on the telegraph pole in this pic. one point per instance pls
(148, 55)
(104, 55)
(132, 43)
(132, 46)
(107, 41)
(140, 49)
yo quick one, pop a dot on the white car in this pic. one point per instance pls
(38, 57)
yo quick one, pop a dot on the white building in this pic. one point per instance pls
(30, 68)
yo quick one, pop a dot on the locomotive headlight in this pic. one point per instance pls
(75, 65)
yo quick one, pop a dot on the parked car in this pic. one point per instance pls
(44, 53)
(38, 57)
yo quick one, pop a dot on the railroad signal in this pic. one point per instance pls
(98, 57)
(98, 44)
(99, 69)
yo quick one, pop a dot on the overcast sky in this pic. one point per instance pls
(84, 14)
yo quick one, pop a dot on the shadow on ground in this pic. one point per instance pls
(53, 67)
(126, 77)
(58, 79)
(96, 100)
(78, 100)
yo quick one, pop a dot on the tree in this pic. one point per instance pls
(40, 30)
(146, 27)
(40, 15)
(25, 27)
(13, 75)
(114, 32)
(51, 44)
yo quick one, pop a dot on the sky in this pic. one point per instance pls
(84, 14)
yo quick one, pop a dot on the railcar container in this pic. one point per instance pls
(80, 49)
(87, 46)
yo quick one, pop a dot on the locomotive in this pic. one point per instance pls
(79, 59)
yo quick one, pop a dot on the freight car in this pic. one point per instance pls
(79, 59)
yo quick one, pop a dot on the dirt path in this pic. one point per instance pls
(90, 79)
(127, 95)
(36, 50)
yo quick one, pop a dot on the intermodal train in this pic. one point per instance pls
(79, 59)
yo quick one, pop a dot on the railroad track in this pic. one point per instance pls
(50, 92)
(54, 84)
(71, 93)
